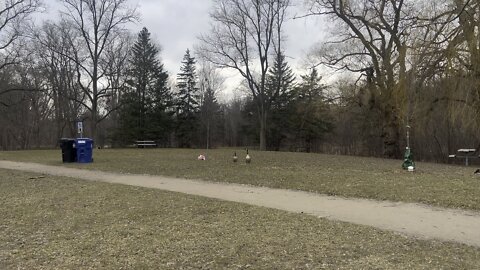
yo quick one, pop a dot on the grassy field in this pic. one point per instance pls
(434, 184)
(58, 223)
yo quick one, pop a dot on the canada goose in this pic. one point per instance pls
(477, 172)
(235, 158)
(248, 159)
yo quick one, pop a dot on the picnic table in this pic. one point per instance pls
(144, 144)
(466, 154)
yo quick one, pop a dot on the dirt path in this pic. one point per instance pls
(412, 219)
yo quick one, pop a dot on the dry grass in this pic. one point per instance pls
(59, 223)
(435, 184)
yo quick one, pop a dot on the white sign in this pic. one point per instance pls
(80, 127)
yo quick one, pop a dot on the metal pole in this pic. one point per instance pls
(208, 133)
(408, 136)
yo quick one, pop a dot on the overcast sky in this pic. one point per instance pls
(176, 24)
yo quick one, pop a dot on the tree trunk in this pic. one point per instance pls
(263, 130)
(391, 136)
(93, 124)
(58, 116)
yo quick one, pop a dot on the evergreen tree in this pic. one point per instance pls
(210, 114)
(280, 88)
(280, 80)
(310, 117)
(145, 113)
(187, 101)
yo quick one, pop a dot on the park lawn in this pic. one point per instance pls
(61, 223)
(347, 176)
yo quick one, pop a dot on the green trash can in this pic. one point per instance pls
(408, 159)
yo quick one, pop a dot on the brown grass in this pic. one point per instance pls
(59, 223)
(434, 184)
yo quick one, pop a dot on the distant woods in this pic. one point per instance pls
(396, 63)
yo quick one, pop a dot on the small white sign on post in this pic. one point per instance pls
(80, 128)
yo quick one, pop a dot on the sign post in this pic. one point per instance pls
(80, 128)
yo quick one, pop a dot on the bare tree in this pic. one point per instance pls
(463, 54)
(446, 58)
(211, 84)
(53, 50)
(373, 37)
(13, 14)
(245, 35)
(116, 65)
(98, 23)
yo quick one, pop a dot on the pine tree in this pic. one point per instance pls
(280, 82)
(310, 117)
(210, 116)
(145, 113)
(187, 101)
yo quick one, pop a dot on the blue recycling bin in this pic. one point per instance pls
(84, 150)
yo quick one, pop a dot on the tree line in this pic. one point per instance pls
(402, 63)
